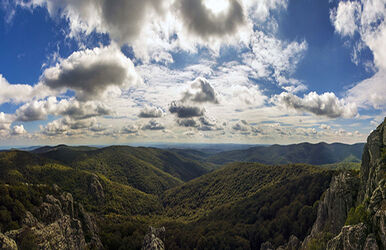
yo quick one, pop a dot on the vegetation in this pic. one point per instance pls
(149, 170)
(201, 208)
(320, 242)
(15, 200)
(358, 215)
(239, 198)
(316, 154)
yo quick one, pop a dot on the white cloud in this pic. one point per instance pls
(153, 125)
(368, 19)
(151, 112)
(18, 130)
(202, 21)
(346, 17)
(326, 104)
(274, 59)
(92, 73)
(39, 110)
(5, 121)
(67, 127)
(201, 91)
(370, 92)
(18, 93)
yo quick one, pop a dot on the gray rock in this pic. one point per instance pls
(379, 225)
(371, 243)
(293, 243)
(350, 238)
(153, 239)
(60, 223)
(267, 246)
(373, 168)
(7, 243)
(334, 206)
(96, 188)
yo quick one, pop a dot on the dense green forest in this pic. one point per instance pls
(316, 154)
(202, 205)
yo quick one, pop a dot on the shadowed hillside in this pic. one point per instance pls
(316, 154)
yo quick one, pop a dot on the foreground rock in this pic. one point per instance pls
(334, 207)
(153, 239)
(368, 229)
(59, 223)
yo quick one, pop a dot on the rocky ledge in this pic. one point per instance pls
(59, 223)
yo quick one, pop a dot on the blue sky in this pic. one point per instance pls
(280, 71)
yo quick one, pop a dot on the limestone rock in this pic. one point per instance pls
(371, 243)
(96, 188)
(7, 243)
(153, 240)
(334, 207)
(267, 246)
(373, 166)
(350, 238)
(60, 223)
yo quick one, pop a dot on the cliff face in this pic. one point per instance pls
(59, 223)
(370, 231)
(334, 207)
(366, 198)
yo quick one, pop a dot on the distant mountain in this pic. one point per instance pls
(243, 205)
(97, 193)
(316, 154)
(147, 169)
(202, 203)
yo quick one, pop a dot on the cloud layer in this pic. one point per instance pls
(326, 104)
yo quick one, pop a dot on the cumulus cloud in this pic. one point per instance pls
(202, 21)
(5, 121)
(130, 130)
(345, 17)
(39, 110)
(123, 19)
(153, 125)
(202, 92)
(202, 123)
(18, 130)
(90, 73)
(18, 93)
(185, 111)
(326, 104)
(67, 127)
(151, 112)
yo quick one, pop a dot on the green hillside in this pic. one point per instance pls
(315, 154)
(227, 208)
(22, 167)
(147, 169)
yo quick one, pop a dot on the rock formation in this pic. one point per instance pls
(334, 206)
(59, 223)
(371, 195)
(153, 239)
(347, 192)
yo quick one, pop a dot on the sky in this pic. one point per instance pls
(192, 71)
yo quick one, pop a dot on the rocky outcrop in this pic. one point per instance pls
(344, 194)
(334, 206)
(153, 239)
(293, 244)
(267, 246)
(373, 166)
(96, 188)
(58, 223)
(350, 238)
(7, 243)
